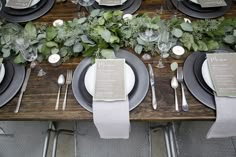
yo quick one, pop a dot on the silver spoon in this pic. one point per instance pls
(174, 85)
(60, 82)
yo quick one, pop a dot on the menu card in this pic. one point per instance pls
(223, 74)
(110, 80)
(18, 3)
(212, 3)
(110, 2)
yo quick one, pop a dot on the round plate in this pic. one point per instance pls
(122, 1)
(89, 79)
(137, 94)
(192, 83)
(197, 68)
(117, 7)
(2, 72)
(14, 86)
(197, 7)
(8, 76)
(202, 15)
(24, 18)
(22, 12)
(206, 75)
(130, 10)
(34, 2)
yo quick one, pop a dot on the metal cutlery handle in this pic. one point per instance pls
(18, 103)
(154, 100)
(184, 101)
(176, 102)
(65, 98)
(58, 98)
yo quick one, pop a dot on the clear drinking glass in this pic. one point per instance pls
(29, 53)
(164, 44)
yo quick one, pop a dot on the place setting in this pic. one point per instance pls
(210, 77)
(203, 8)
(23, 11)
(112, 87)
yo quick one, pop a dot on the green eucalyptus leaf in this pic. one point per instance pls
(108, 53)
(81, 20)
(19, 59)
(6, 52)
(95, 12)
(54, 50)
(90, 51)
(101, 21)
(138, 49)
(211, 44)
(177, 32)
(141, 42)
(114, 39)
(202, 46)
(77, 48)
(229, 39)
(30, 31)
(186, 27)
(51, 44)
(63, 51)
(85, 39)
(69, 42)
(107, 15)
(46, 51)
(234, 34)
(41, 36)
(106, 35)
(194, 46)
(51, 33)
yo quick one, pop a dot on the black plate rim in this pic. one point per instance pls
(9, 74)
(141, 88)
(202, 15)
(15, 85)
(22, 12)
(29, 17)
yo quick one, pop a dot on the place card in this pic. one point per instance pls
(110, 2)
(212, 3)
(223, 74)
(18, 3)
(110, 80)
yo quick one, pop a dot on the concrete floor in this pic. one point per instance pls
(29, 137)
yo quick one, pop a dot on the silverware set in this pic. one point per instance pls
(152, 83)
(174, 84)
(61, 81)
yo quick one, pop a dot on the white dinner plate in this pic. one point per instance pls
(122, 1)
(89, 79)
(34, 2)
(2, 72)
(195, 1)
(206, 75)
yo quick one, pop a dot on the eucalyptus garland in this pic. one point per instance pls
(102, 31)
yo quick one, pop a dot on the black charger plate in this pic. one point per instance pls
(15, 84)
(127, 4)
(202, 15)
(137, 94)
(130, 10)
(9, 73)
(197, 68)
(197, 7)
(192, 83)
(24, 18)
(21, 12)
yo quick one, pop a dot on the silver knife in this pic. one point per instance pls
(152, 83)
(23, 88)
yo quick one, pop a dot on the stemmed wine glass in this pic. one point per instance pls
(164, 44)
(85, 3)
(29, 53)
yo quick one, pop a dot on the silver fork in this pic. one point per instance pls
(180, 78)
(68, 82)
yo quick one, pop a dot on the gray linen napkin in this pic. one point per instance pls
(225, 124)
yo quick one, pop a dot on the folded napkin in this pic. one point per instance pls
(112, 119)
(225, 124)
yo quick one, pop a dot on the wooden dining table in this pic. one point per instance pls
(39, 99)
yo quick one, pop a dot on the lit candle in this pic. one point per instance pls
(54, 59)
(58, 22)
(177, 51)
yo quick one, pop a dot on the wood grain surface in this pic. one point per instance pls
(39, 100)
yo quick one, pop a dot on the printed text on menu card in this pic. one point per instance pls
(110, 80)
(223, 74)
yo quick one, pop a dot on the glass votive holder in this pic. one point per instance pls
(177, 52)
(54, 60)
